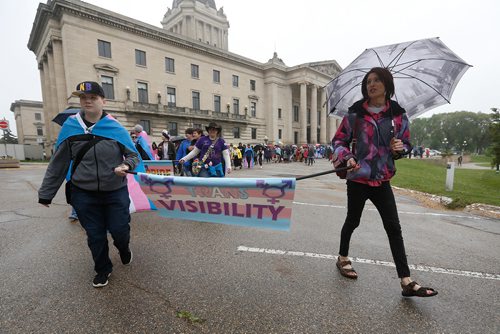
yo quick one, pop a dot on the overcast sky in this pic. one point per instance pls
(300, 32)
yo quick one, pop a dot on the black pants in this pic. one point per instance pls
(383, 199)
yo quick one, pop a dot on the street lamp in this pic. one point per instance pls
(445, 144)
(464, 145)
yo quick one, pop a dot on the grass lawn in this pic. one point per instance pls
(470, 185)
(481, 160)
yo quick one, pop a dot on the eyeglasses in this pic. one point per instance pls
(134, 137)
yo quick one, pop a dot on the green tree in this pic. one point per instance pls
(418, 131)
(495, 138)
(457, 127)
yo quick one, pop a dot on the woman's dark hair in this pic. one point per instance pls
(385, 76)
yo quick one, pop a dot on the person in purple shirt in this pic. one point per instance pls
(212, 152)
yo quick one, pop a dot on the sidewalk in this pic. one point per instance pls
(471, 165)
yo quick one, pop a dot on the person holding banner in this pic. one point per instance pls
(212, 150)
(373, 134)
(100, 151)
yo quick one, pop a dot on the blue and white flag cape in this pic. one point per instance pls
(109, 127)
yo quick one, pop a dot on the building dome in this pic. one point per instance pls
(209, 3)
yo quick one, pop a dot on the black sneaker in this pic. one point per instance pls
(100, 280)
(126, 257)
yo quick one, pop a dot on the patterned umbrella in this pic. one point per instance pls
(425, 73)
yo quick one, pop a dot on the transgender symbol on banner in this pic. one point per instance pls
(252, 202)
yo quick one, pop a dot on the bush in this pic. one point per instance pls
(458, 203)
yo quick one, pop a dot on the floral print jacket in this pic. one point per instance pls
(371, 148)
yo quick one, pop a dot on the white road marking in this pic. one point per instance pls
(473, 274)
(402, 212)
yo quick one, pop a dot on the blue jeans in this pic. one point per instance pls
(100, 212)
(187, 170)
(212, 171)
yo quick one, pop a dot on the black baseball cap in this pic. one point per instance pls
(88, 87)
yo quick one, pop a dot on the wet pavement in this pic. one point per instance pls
(228, 279)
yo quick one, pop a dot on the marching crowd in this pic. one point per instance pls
(205, 158)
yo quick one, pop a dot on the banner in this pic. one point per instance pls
(252, 202)
(159, 167)
(138, 200)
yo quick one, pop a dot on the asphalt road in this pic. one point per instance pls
(229, 279)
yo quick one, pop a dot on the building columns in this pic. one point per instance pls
(332, 127)
(303, 113)
(322, 130)
(314, 114)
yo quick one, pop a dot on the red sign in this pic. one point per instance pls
(4, 124)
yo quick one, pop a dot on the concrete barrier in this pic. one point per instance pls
(9, 163)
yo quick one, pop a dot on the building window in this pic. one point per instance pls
(279, 113)
(39, 131)
(235, 81)
(146, 125)
(217, 103)
(140, 57)
(216, 76)
(253, 109)
(236, 106)
(142, 92)
(296, 114)
(38, 116)
(236, 132)
(104, 48)
(107, 86)
(196, 100)
(295, 137)
(254, 133)
(172, 128)
(171, 97)
(195, 71)
(252, 84)
(169, 65)
(280, 133)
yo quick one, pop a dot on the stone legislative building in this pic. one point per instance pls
(177, 76)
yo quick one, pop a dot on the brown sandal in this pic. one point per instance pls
(409, 291)
(349, 273)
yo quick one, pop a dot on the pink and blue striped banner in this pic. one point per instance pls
(251, 202)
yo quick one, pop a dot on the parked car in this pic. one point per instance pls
(434, 153)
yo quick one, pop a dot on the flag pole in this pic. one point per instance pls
(298, 178)
(324, 173)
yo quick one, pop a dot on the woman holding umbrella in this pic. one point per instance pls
(373, 134)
